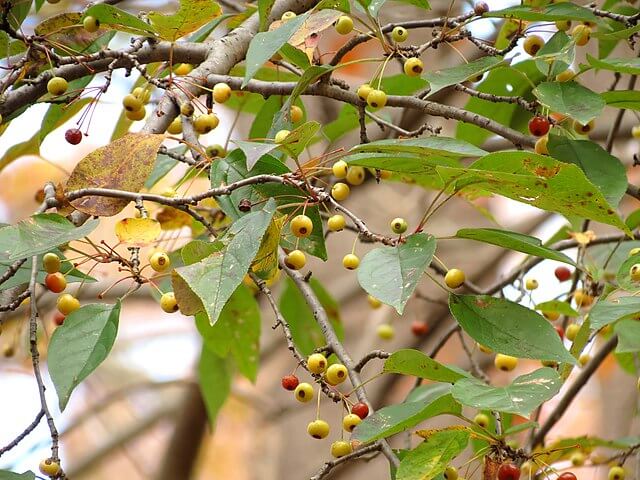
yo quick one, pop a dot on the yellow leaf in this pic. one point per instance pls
(173, 219)
(138, 231)
(266, 262)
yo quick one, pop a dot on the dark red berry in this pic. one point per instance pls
(560, 331)
(290, 382)
(360, 409)
(480, 7)
(58, 318)
(539, 126)
(73, 136)
(562, 274)
(567, 476)
(508, 471)
(419, 328)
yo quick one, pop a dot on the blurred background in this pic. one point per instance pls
(140, 416)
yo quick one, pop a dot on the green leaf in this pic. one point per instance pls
(262, 124)
(264, 10)
(237, 331)
(346, 121)
(118, 19)
(215, 382)
(629, 65)
(265, 44)
(439, 79)
(623, 276)
(626, 99)
(374, 6)
(628, 336)
(537, 180)
(549, 13)
(603, 169)
(607, 311)
(39, 234)
(556, 55)
(295, 143)
(416, 363)
(9, 47)
(295, 56)
(570, 98)
(7, 475)
(521, 397)
(435, 400)
(254, 151)
(340, 5)
(431, 457)
(233, 168)
(445, 146)
(305, 331)
(214, 279)
(508, 327)
(190, 16)
(562, 308)
(391, 274)
(80, 344)
(513, 241)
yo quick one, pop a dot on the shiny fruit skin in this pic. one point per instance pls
(552, 316)
(91, 24)
(131, 103)
(562, 274)
(340, 191)
(221, 92)
(67, 303)
(317, 363)
(344, 25)
(360, 409)
(183, 69)
(584, 129)
(58, 318)
(563, 25)
(482, 420)
(318, 429)
(290, 382)
(508, 471)
(73, 136)
(296, 114)
(399, 225)
(340, 169)
(303, 393)
(363, 91)
(301, 226)
(572, 331)
(419, 328)
(560, 331)
(413, 67)
(634, 251)
(51, 262)
(289, 15)
(281, 136)
(205, 123)
(350, 421)
(451, 473)
(567, 476)
(531, 284)
(143, 94)
(454, 278)
(175, 127)
(135, 115)
(216, 151)
(355, 175)
(340, 448)
(336, 374)
(582, 298)
(159, 261)
(336, 223)
(399, 34)
(506, 363)
(635, 131)
(539, 126)
(55, 282)
(350, 261)
(49, 467)
(541, 146)
(373, 302)
(577, 459)
(168, 303)
(295, 260)
(57, 86)
(377, 99)
(634, 272)
(583, 359)
(581, 35)
(565, 76)
(386, 331)
(533, 44)
(480, 8)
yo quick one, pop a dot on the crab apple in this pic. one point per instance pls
(143, 94)
(508, 471)
(168, 303)
(581, 35)
(301, 226)
(451, 473)
(350, 261)
(91, 24)
(281, 136)
(336, 223)
(295, 113)
(583, 359)
(584, 129)
(175, 127)
(419, 328)
(67, 303)
(336, 374)
(57, 86)
(51, 262)
(539, 126)
(363, 91)
(634, 272)
(533, 44)
(531, 284)
(577, 459)
(49, 467)
(413, 67)
(183, 69)
(582, 298)
(295, 260)
(350, 421)
(563, 25)
(562, 274)
(288, 15)
(399, 34)
(344, 25)
(205, 123)
(355, 175)
(634, 251)
(506, 363)
(340, 191)
(454, 278)
(480, 8)
(635, 131)
(55, 282)
(303, 392)
(58, 318)
(377, 99)
(131, 103)
(399, 225)
(340, 448)
(318, 429)
(221, 92)
(572, 331)
(317, 363)
(482, 420)
(386, 331)
(373, 302)
(560, 331)
(290, 382)
(552, 316)
(565, 76)
(135, 115)
(340, 169)
(215, 151)
(360, 409)
(73, 136)
(159, 261)
(567, 476)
